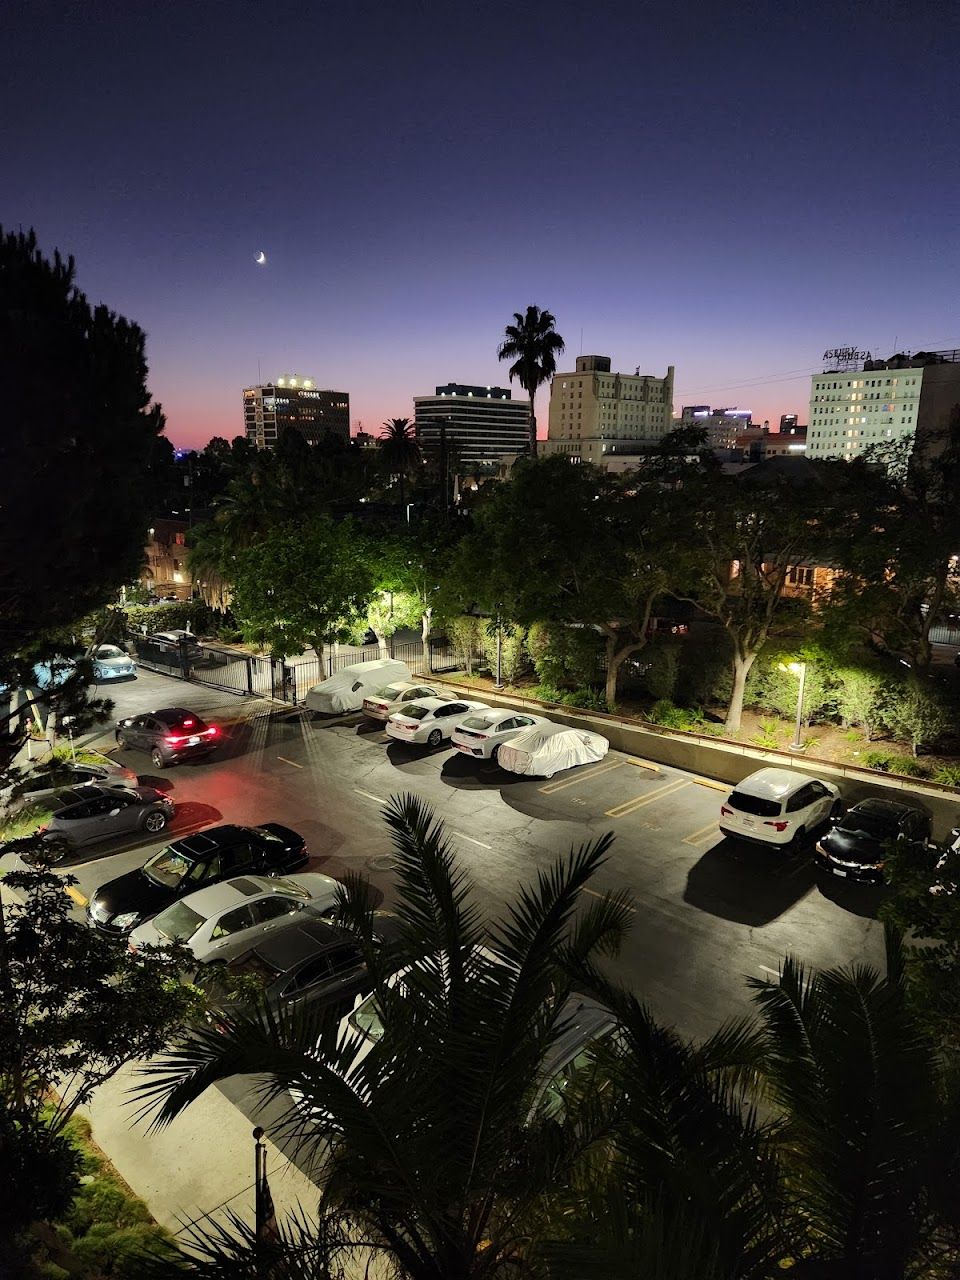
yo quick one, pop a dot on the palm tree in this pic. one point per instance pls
(533, 344)
(400, 450)
(431, 1158)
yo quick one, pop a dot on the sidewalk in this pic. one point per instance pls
(201, 1164)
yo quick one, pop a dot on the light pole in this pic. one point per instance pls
(499, 684)
(798, 669)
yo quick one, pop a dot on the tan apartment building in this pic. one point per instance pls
(599, 416)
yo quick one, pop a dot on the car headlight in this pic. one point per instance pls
(821, 849)
(127, 920)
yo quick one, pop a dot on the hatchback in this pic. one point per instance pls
(430, 720)
(84, 815)
(56, 775)
(226, 919)
(169, 735)
(778, 806)
(111, 663)
(854, 846)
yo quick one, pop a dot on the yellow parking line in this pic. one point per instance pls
(551, 787)
(642, 764)
(73, 892)
(621, 810)
(714, 786)
(698, 837)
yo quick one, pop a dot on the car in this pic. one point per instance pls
(169, 735)
(346, 689)
(85, 815)
(180, 868)
(853, 848)
(55, 775)
(549, 748)
(484, 732)
(779, 807)
(226, 919)
(111, 663)
(393, 697)
(431, 720)
(309, 962)
(181, 638)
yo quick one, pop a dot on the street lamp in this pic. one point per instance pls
(798, 669)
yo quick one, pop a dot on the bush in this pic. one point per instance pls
(860, 696)
(167, 617)
(768, 735)
(704, 676)
(662, 670)
(591, 699)
(669, 715)
(564, 657)
(514, 659)
(916, 711)
(876, 759)
(907, 767)
(548, 693)
(465, 633)
(948, 775)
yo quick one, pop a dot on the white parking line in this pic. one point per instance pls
(293, 762)
(593, 894)
(766, 969)
(461, 836)
(378, 799)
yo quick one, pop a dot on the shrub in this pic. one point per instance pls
(860, 695)
(876, 759)
(514, 659)
(166, 617)
(704, 675)
(768, 735)
(666, 713)
(948, 775)
(548, 693)
(908, 767)
(465, 633)
(916, 711)
(591, 699)
(564, 657)
(662, 669)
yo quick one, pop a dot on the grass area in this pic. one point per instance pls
(107, 1234)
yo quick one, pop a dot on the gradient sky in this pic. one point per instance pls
(730, 188)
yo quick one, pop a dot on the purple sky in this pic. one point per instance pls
(727, 188)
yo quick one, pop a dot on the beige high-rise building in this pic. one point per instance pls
(603, 417)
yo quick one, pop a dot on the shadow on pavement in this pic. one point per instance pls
(748, 884)
(410, 758)
(859, 899)
(370, 729)
(468, 774)
(190, 816)
(152, 780)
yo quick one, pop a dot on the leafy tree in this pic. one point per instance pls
(915, 710)
(400, 450)
(533, 344)
(79, 438)
(301, 583)
(432, 1156)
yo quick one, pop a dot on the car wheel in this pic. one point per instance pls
(156, 757)
(796, 844)
(121, 740)
(155, 821)
(98, 673)
(52, 852)
(836, 808)
(495, 754)
(435, 738)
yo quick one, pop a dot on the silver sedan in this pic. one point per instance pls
(482, 733)
(394, 697)
(431, 720)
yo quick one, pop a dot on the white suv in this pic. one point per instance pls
(778, 806)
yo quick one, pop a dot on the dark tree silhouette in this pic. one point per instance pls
(533, 344)
(400, 450)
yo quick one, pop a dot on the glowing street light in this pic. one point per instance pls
(797, 669)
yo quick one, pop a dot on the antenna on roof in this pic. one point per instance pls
(581, 341)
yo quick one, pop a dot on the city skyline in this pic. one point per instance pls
(731, 199)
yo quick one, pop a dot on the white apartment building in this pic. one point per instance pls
(597, 415)
(851, 409)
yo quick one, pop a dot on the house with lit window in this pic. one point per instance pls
(165, 571)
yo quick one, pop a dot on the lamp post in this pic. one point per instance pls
(499, 684)
(798, 669)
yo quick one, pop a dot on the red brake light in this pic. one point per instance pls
(172, 739)
(778, 826)
(211, 732)
(724, 810)
(188, 723)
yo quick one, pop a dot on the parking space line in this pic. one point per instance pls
(766, 969)
(594, 894)
(641, 764)
(701, 836)
(709, 782)
(551, 787)
(293, 762)
(461, 836)
(73, 892)
(629, 806)
(378, 799)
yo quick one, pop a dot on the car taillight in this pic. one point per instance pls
(777, 826)
(211, 732)
(172, 739)
(724, 810)
(40, 830)
(187, 724)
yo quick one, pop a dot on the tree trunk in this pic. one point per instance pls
(403, 494)
(615, 660)
(533, 427)
(425, 622)
(741, 669)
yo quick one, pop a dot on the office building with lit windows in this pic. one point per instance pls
(478, 425)
(603, 417)
(292, 401)
(881, 402)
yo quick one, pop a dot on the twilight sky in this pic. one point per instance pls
(729, 188)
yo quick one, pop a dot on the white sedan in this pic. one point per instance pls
(224, 920)
(430, 720)
(483, 733)
(394, 697)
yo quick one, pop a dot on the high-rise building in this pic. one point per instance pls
(597, 415)
(723, 426)
(884, 400)
(296, 402)
(479, 424)
(789, 421)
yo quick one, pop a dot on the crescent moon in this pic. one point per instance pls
(261, 258)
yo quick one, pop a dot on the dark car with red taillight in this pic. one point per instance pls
(169, 735)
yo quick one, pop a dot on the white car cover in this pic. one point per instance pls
(547, 749)
(346, 690)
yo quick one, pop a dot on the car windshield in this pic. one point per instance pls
(416, 713)
(178, 923)
(366, 1019)
(168, 867)
(758, 805)
(109, 651)
(264, 834)
(390, 691)
(874, 825)
(481, 720)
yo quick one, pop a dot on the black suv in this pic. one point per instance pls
(170, 735)
(854, 846)
(219, 853)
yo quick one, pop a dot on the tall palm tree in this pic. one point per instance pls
(533, 344)
(425, 1150)
(400, 450)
